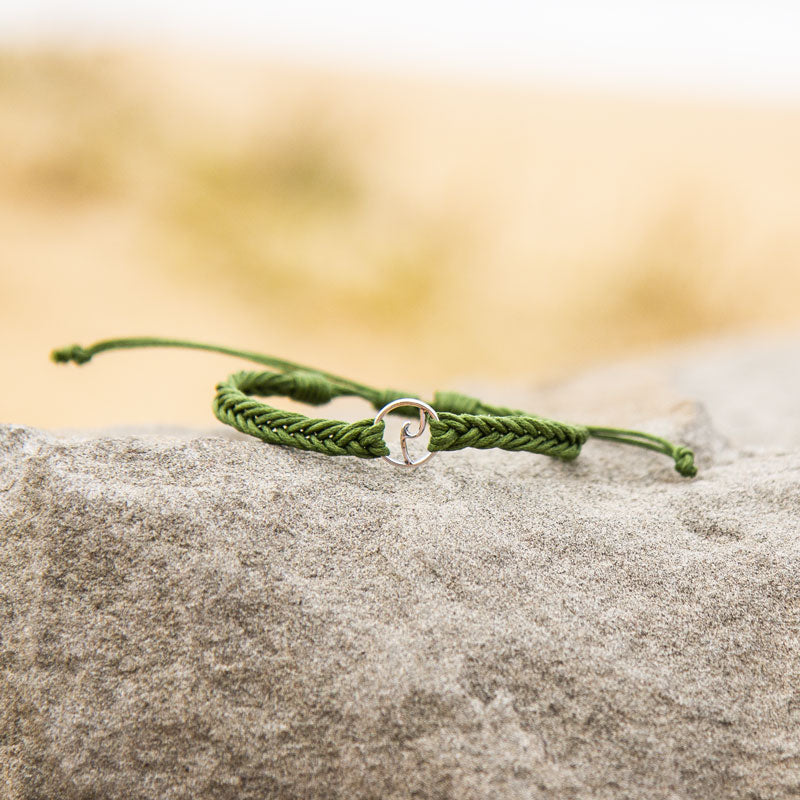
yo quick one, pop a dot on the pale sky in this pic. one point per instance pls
(723, 47)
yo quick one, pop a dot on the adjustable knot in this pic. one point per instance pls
(456, 403)
(311, 388)
(684, 462)
(74, 353)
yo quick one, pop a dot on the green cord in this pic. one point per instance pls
(463, 421)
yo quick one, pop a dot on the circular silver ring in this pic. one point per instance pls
(425, 411)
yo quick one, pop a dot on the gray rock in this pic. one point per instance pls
(204, 616)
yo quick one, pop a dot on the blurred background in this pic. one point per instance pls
(416, 195)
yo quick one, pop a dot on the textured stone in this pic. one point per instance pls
(205, 616)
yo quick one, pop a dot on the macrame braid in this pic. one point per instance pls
(463, 421)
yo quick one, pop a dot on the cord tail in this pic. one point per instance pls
(683, 456)
(378, 397)
(82, 355)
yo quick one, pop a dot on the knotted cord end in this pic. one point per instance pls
(74, 353)
(684, 462)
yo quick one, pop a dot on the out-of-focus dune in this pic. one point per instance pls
(399, 231)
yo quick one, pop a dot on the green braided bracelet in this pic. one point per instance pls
(456, 421)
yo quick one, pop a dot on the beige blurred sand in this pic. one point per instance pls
(402, 231)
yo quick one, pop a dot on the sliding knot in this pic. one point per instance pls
(456, 403)
(74, 353)
(684, 462)
(310, 387)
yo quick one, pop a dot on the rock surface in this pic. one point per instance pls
(205, 616)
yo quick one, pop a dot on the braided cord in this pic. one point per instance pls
(234, 406)
(468, 422)
(463, 421)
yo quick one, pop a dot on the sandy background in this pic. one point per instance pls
(193, 614)
(401, 231)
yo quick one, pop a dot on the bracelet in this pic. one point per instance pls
(455, 420)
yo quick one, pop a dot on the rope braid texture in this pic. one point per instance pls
(463, 421)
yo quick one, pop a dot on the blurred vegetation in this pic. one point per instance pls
(264, 220)
(376, 221)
